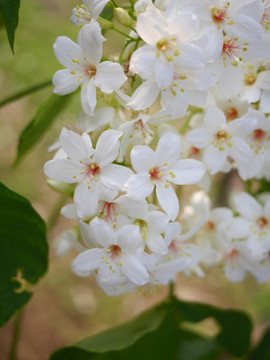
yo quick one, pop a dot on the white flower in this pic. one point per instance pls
(83, 14)
(113, 259)
(83, 67)
(91, 168)
(220, 139)
(160, 169)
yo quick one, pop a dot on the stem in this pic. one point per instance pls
(56, 212)
(24, 92)
(121, 32)
(185, 125)
(171, 290)
(16, 334)
(114, 3)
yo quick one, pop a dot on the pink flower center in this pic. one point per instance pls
(262, 222)
(210, 225)
(258, 135)
(173, 247)
(231, 113)
(193, 152)
(108, 211)
(90, 70)
(229, 47)
(250, 78)
(115, 251)
(233, 254)
(221, 136)
(265, 21)
(218, 15)
(155, 174)
(92, 170)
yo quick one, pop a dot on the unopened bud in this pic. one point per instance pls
(105, 24)
(121, 15)
(60, 187)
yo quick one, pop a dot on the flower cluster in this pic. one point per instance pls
(188, 97)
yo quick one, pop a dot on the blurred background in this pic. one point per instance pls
(65, 308)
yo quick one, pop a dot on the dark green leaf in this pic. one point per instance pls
(107, 13)
(23, 250)
(9, 10)
(44, 118)
(117, 338)
(262, 350)
(236, 326)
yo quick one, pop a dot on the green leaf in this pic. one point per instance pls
(35, 129)
(23, 251)
(9, 9)
(262, 350)
(236, 326)
(117, 338)
(159, 334)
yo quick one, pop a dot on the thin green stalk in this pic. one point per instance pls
(121, 32)
(56, 212)
(16, 334)
(20, 94)
(171, 290)
(114, 3)
(192, 113)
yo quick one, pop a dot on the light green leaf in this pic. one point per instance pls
(9, 9)
(23, 251)
(235, 326)
(35, 129)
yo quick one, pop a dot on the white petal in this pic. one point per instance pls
(97, 7)
(87, 261)
(234, 272)
(109, 77)
(157, 222)
(115, 176)
(107, 147)
(214, 119)
(65, 50)
(214, 159)
(168, 148)
(240, 151)
(231, 80)
(64, 170)
(247, 206)
(142, 62)
(90, 40)
(144, 95)
(187, 171)
(74, 146)
(129, 238)
(139, 185)
(164, 71)
(86, 199)
(263, 80)
(69, 211)
(199, 137)
(134, 270)
(157, 244)
(167, 199)
(102, 233)
(143, 158)
(88, 97)
(64, 82)
(191, 56)
(150, 27)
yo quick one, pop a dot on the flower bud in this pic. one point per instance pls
(60, 187)
(121, 15)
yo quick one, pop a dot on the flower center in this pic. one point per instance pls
(229, 47)
(231, 113)
(173, 247)
(221, 136)
(90, 70)
(139, 126)
(155, 174)
(108, 210)
(83, 15)
(233, 254)
(218, 15)
(250, 78)
(193, 152)
(115, 251)
(265, 21)
(209, 225)
(92, 170)
(258, 135)
(164, 45)
(262, 222)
